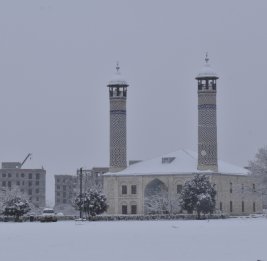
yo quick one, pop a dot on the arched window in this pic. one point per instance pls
(231, 206)
(253, 187)
(231, 187)
(179, 188)
(221, 206)
(124, 209)
(133, 208)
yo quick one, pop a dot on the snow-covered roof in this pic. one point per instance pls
(179, 162)
(207, 70)
(117, 78)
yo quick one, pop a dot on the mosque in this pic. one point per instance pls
(137, 188)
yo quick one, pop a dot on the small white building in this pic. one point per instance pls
(127, 191)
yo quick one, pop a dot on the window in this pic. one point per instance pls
(221, 206)
(37, 175)
(243, 206)
(64, 194)
(58, 187)
(64, 201)
(30, 175)
(3, 183)
(9, 184)
(9, 175)
(231, 206)
(124, 189)
(254, 207)
(22, 175)
(58, 194)
(179, 189)
(37, 191)
(30, 191)
(254, 187)
(133, 209)
(231, 187)
(64, 187)
(17, 175)
(167, 160)
(37, 198)
(37, 182)
(18, 183)
(242, 188)
(133, 189)
(30, 183)
(124, 209)
(3, 175)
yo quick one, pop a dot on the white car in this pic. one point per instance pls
(48, 215)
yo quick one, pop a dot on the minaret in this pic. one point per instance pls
(207, 126)
(118, 145)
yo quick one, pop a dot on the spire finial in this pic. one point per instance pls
(118, 67)
(207, 58)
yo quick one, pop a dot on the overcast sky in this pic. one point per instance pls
(56, 57)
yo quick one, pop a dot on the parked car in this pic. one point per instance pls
(48, 215)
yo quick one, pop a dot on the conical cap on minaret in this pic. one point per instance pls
(117, 79)
(207, 71)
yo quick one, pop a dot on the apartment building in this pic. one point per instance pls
(30, 182)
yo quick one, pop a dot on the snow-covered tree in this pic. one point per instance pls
(91, 202)
(157, 203)
(14, 204)
(8, 194)
(160, 203)
(258, 167)
(198, 194)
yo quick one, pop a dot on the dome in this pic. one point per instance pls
(117, 78)
(207, 71)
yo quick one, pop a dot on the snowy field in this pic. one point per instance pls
(239, 239)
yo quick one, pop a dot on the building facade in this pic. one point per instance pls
(127, 192)
(30, 182)
(149, 183)
(65, 189)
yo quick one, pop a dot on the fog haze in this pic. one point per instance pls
(56, 58)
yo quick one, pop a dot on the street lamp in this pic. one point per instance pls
(81, 188)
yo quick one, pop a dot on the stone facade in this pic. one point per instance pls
(30, 182)
(242, 191)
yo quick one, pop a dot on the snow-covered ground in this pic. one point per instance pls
(238, 239)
